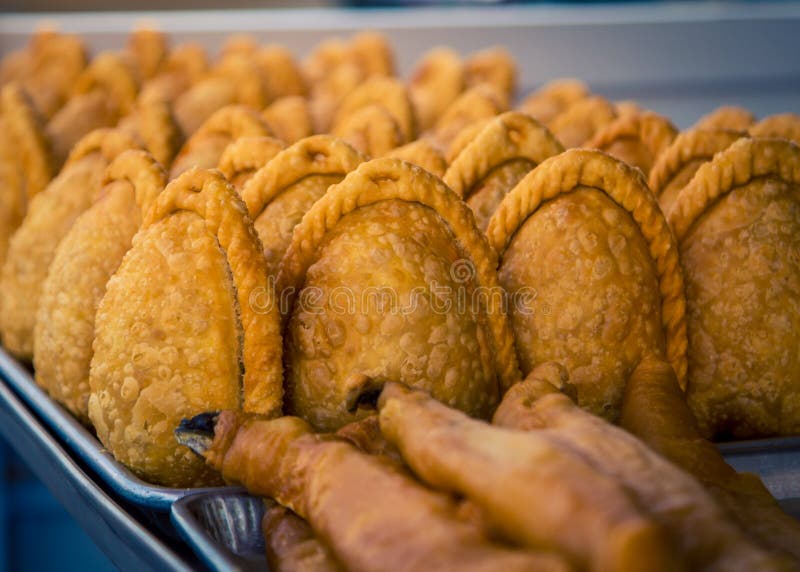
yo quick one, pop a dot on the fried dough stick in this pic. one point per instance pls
(654, 410)
(291, 544)
(371, 514)
(531, 489)
(705, 536)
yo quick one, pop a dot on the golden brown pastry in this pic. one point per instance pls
(478, 103)
(729, 117)
(493, 66)
(176, 332)
(782, 125)
(86, 258)
(465, 137)
(148, 50)
(182, 67)
(655, 410)
(553, 98)
(153, 123)
(51, 214)
(377, 268)
(246, 155)
(289, 118)
(112, 74)
(204, 149)
(387, 92)
(736, 224)
(593, 273)
(367, 511)
(638, 139)
(292, 545)
(627, 107)
(579, 122)
(497, 159)
(422, 154)
(533, 490)
(279, 194)
(706, 538)
(371, 130)
(280, 72)
(676, 166)
(435, 83)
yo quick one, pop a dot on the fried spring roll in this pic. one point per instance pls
(291, 545)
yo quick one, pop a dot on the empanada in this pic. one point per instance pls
(183, 66)
(153, 123)
(422, 154)
(85, 259)
(246, 155)
(676, 166)
(289, 118)
(372, 130)
(729, 117)
(475, 104)
(387, 92)
(737, 224)
(50, 215)
(497, 159)
(148, 50)
(279, 194)
(782, 125)
(638, 138)
(553, 98)
(376, 270)
(494, 66)
(204, 149)
(280, 72)
(435, 83)
(579, 122)
(593, 272)
(178, 332)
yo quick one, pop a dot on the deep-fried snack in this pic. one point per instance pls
(504, 151)
(729, 117)
(388, 92)
(289, 118)
(475, 104)
(113, 75)
(246, 155)
(204, 149)
(153, 123)
(705, 536)
(584, 240)
(422, 154)
(148, 51)
(435, 83)
(532, 490)
(183, 66)
(85, 259)
(366, 435)
(371, 130)
(553, 98)
(494, 66)
(582, 120)
(177, 333)
(280, 193)
(782, 125)
(464, 137)
(736, 223)
(280, 72)
(292, 545)
(638, 138)
(370, 513)
(676, 166)
(51, 214)
(627, 107)
(392, 280)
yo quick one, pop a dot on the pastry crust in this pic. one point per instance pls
(553, 98)
(281, 192)
(148, 49)
(638, 139)
(204, 149)
(391, 190)
(154, 124)
(735, 223)
(435, 83)
(246, 155)
(280, 72)
(289, 118)
(372, 130)
(386, 92)
(502, 153)
(676, 166)
(151, 369)
(291, 544)
(466, 136)
(111, 74)
(85, 259)
(783, 126)
(494, 66)
(475, 104)
(729, 117)
(81, 115)
(50, 216)
(582, 120)
(422, 154)
(634, 253)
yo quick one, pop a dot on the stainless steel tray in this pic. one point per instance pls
(80, 441)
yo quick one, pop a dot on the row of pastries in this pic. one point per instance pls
(409, 311)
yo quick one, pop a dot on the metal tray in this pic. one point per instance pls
(153, 499)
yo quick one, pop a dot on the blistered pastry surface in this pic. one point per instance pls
(595, 307)
(488, 193)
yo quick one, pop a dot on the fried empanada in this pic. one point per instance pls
(475, 104)
(737, 224)
(464, 137)
(676, 166)
(148, 50)
(289, 118)
(435, 83)
(593, 272)
(154, 124)
(497, 159)
(386, 92)
(246, 155)
(782, 125)
(183, 66)
(372, 130)
(638, 138)
(50, 215)
(280, 72)
(582, 120)
(279, 194)
(728, 117)
(204, 149)
(553, 98)
(391, 279)
(85, 259)
(422, 154)
(494, 66)
(177, 331)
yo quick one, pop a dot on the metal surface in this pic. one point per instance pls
(223, 528)
(128, 544)
(85, 445)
